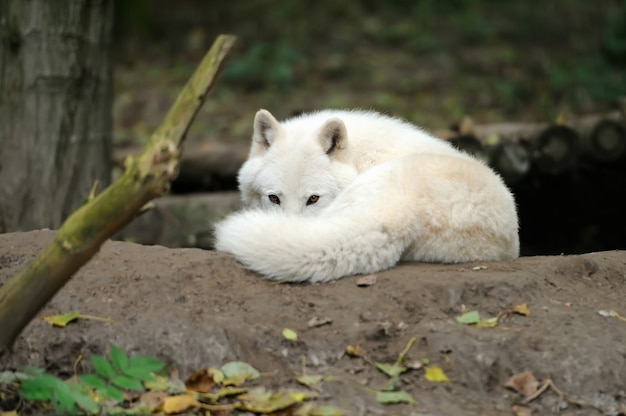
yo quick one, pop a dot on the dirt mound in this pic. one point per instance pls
(200, 309)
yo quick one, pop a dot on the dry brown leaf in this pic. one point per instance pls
(367, 280)
(521, 410)
(521, 309)
(524, 383)
(200, 381)
(153, 399)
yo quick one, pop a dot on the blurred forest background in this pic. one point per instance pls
(429, 61)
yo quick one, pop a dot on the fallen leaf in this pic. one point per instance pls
(391, 370)
(309, 380)
(521, 309)
(476, 268)
(355, 351)
(391, 384)
(61, 320)
(521, 410)
(309, 409)
(388, 397)
(436, 374)
(524, 383)
(468, 318)
(237, 368)
(315, 322)
(179, 404)
(367, 280)
(152, 400)
(159, 383)
(223, 392)
(611, 314)
(260, 400)
(236, 380)
(201, 381)
(290, 334)
(488, 323)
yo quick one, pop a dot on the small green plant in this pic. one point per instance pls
(121, 372)
(88, 392)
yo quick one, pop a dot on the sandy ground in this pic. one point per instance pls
(201, 309)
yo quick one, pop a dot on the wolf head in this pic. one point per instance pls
(298, 166)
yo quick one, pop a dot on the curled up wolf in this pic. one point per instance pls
(337, 193)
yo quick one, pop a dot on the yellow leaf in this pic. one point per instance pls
(61, 320)
(521, 309)
(436, 374)
(178, 404)
(9, 413)
(290, 334)
(488, 323)
(236, 380)
(263, 401)
(355, 351)
(159, 383)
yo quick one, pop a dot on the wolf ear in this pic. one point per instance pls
(333, 137)
(266, 130)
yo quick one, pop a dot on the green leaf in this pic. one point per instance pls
(61, 320)
(38, 388)
(118, 358)
(111, 392)
(309, 380)
(238, 368)
(468, 318)
(127, 383)
(387, 397)
(102, 366)
(290, 334)
(82, 398)
(92, 380)
(65, 399)
(142, 367)
(147, 363)
(139, 374)
(390, 385)
(392, 370)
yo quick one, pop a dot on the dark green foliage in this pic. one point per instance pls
(110, 379)
(264, 64)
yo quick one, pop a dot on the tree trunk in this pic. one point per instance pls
(55, 108)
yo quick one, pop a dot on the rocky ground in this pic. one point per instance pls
(200, 309)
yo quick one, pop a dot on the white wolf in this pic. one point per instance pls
(338, 193)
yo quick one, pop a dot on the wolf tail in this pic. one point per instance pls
(294, 248)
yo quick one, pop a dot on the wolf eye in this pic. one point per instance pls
(313, 199)
(274, 199)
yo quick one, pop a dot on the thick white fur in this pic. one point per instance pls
(387, 191)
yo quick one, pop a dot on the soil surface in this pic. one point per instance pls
(201, 309)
